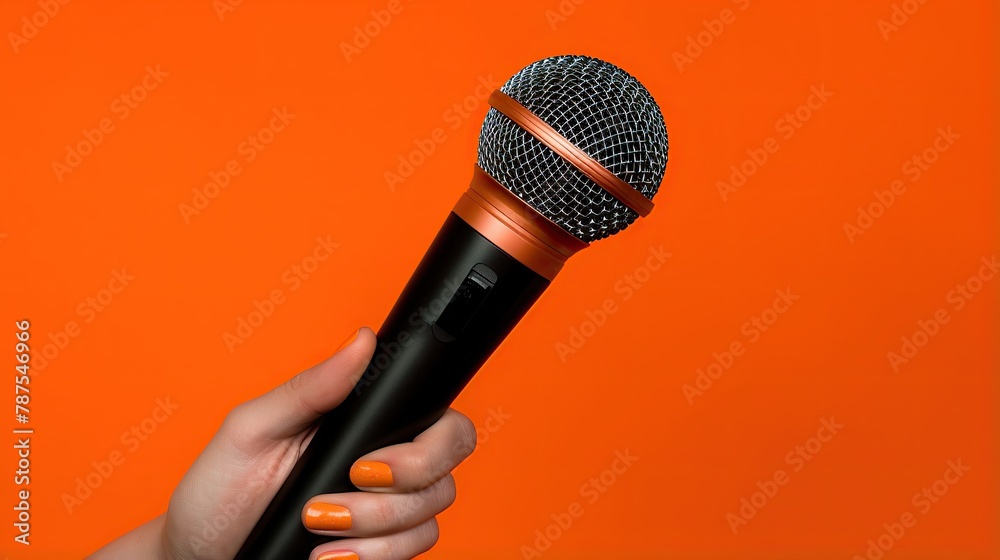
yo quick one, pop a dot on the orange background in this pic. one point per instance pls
(623, 389)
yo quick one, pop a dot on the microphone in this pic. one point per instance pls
(572, 150)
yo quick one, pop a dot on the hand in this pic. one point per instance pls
(221, 497)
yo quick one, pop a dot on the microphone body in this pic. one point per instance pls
(463, 299)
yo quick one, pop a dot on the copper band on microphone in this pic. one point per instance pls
(558, 143)
(515, 227)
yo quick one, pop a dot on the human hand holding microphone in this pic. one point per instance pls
(572, 151)
(389, 517)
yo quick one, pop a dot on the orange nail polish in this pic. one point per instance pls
(372, 474)
(347, 342)
(338, 555)
(327, 517)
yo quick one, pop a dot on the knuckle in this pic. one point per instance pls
(466, 437)
(234, 418)
(435, 498)
(386, 548)
(239, 431)
(422, 465)
(290, 390)
(412, 505)
(447, 492)
(385, 513)
(236, 425)
(430, 533)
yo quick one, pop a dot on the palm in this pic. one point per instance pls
(220, 499)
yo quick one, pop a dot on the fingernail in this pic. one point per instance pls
(371, 474)
(338, 555)
(327, 517)
(347, 342)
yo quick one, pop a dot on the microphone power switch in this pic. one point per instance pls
(468, 298)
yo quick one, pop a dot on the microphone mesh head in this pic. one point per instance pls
(601, 109)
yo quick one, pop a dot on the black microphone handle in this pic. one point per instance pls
(463, 299)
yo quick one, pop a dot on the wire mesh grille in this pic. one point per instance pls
(601, 109)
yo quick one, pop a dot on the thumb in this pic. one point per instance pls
(291, 407)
